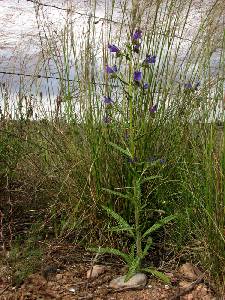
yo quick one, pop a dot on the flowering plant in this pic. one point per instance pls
(135, 88)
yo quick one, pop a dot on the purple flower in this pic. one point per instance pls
(136, 48)
(153, 109)
(137, 35)
(191, 87)
(154, 159)
(188, 86)
(113, 49)
(132, 160)
(150, 59)
(162, 161)
(111, 70)
(146, 86)
(137, 76)
(108, 100)
(106, 119)
(197, 85)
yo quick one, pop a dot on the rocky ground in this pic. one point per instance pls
(70, 273)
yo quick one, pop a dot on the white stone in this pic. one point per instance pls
(136, 281)
(167, 287)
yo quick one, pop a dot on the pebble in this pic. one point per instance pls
(200, 292)
(189, 271)
(72, 290)
(139, 280)
(96, 271)
(167, 287)
(59, 276)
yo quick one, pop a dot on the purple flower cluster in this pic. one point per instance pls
(137, 76)
(150, 59)
(137, 35)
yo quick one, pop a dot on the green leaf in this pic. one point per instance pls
(132, 251)
(147, 246)
(158, 274)
(124, 151)
(133, 268)
(113, 251)
(158, 225)
(120, 220)
(118, 229)
(116, 193)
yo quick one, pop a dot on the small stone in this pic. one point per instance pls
(59, 276)
(167, 287)
(139, 280)
(72, 290)
(96, 271)
(202, 289)
(189, 271)
(149, 286)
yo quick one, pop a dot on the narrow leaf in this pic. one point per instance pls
(133, 268)
(147, 246)
(132, 251)
(157, 274)
(158, 225)
(120, 220)
(113, 251)
(119, 229)
(116, 193)
(124, 151)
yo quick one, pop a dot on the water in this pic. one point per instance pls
(20, 46)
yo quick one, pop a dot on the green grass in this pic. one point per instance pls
(60, 166)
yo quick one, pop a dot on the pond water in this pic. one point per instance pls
(20, 46)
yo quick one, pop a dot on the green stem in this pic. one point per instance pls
(137, 216)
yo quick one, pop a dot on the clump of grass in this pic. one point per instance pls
(23, 261)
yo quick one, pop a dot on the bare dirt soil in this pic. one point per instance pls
(63, 275)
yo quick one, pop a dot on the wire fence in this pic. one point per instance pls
(90, 15)
(82, 14)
